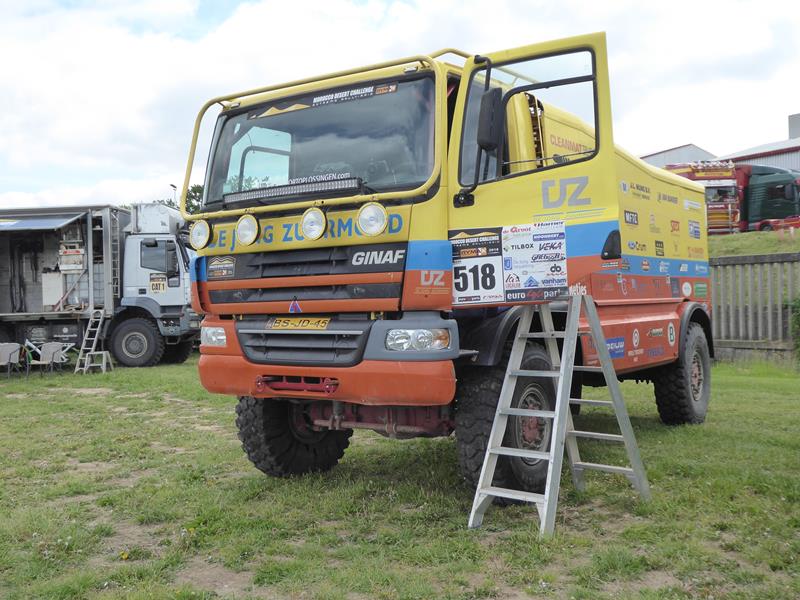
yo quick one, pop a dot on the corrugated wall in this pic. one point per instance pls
(786, 160)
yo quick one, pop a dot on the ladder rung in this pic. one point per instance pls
(596, 435)
(513, 494)
(529, 373)
(538, 335)
(527, 412)
(607, 468)
(583, 369)
(591, 402)
(520, 453)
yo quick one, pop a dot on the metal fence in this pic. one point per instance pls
(753, 302)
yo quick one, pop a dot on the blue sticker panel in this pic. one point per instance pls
(431, 255)
(587, 239)
(197, 268)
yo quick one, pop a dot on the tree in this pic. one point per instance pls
(194, 198)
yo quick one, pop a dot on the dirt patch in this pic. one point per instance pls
(167, 449)
(213, 577)
(139, 395)
(211, 428)
(17, 396)
(89, 467)
(650, 581)
(93, 391)
(128, 540)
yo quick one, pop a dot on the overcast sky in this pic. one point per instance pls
(99, 97)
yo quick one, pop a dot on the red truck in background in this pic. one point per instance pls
(745, 197)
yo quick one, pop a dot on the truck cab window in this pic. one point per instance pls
(162, 257)
(548, 116)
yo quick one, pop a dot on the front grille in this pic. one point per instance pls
(356, 291)
(340, 345)
(373, 258)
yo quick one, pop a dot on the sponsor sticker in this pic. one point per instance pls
(701, 290)
(694, 229)
(221, 267)
(616, 347)
(635, 338)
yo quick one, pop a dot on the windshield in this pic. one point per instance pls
(721, 194)
(380, 135)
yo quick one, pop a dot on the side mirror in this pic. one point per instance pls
(490, 119)
(172, 260)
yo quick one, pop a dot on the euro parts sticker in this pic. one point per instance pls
(534, 261)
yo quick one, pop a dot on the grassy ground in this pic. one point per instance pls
(132, 485)
(756, 242)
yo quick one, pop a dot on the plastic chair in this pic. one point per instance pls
(50, 354)
(9, 357)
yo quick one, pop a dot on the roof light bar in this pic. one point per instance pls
(277, 192)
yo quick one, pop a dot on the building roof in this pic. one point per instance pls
(765, 150)
(676, 148)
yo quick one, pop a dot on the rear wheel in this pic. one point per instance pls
(177, 353)
(479, 391)
(683, 388)
(277, 438)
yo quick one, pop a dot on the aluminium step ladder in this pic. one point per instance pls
(90, 339)
(563, 433)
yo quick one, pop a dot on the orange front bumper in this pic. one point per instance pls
(374, 382)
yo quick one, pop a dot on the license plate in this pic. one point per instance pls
(298, 323)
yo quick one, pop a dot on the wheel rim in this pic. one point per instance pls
(532, 433)
(697, 377)
(134, 344)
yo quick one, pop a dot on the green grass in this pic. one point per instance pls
(756, 242)
(132, 485)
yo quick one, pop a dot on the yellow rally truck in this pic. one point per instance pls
(367, 237)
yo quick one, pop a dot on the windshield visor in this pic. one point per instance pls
(378, 135)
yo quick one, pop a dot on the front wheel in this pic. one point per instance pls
(137, 343)
(476, 404)
(683, 388)
(279, 441)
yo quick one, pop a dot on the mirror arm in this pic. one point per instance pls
(465, 196)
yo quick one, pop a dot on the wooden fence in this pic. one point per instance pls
(753, 301)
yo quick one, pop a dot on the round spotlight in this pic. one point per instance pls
(372, 219)
(199, 234)
(313, 224)
(247, 230)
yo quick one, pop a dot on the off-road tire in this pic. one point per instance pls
(175, 354)
(476, 403)
(679, 398)
(132, 334)
(275, 445)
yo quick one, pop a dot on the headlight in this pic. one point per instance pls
(313, 224)
(372, 219)
(213, 336)
(417, 339)
(247, 230)
(199, 234)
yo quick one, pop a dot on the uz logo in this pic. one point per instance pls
(569, 191)
(431, 278)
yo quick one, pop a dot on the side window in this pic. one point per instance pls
(154, 256)
(161, 256)
(780, 202)
(259, 158)
(548, 117)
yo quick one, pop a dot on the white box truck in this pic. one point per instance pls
(59, 266)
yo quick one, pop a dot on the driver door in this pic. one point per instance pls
(532, 170)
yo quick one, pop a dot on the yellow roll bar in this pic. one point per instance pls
(437, 155)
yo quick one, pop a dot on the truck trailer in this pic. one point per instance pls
(127, 267)
(742, 197)
(367, 240)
